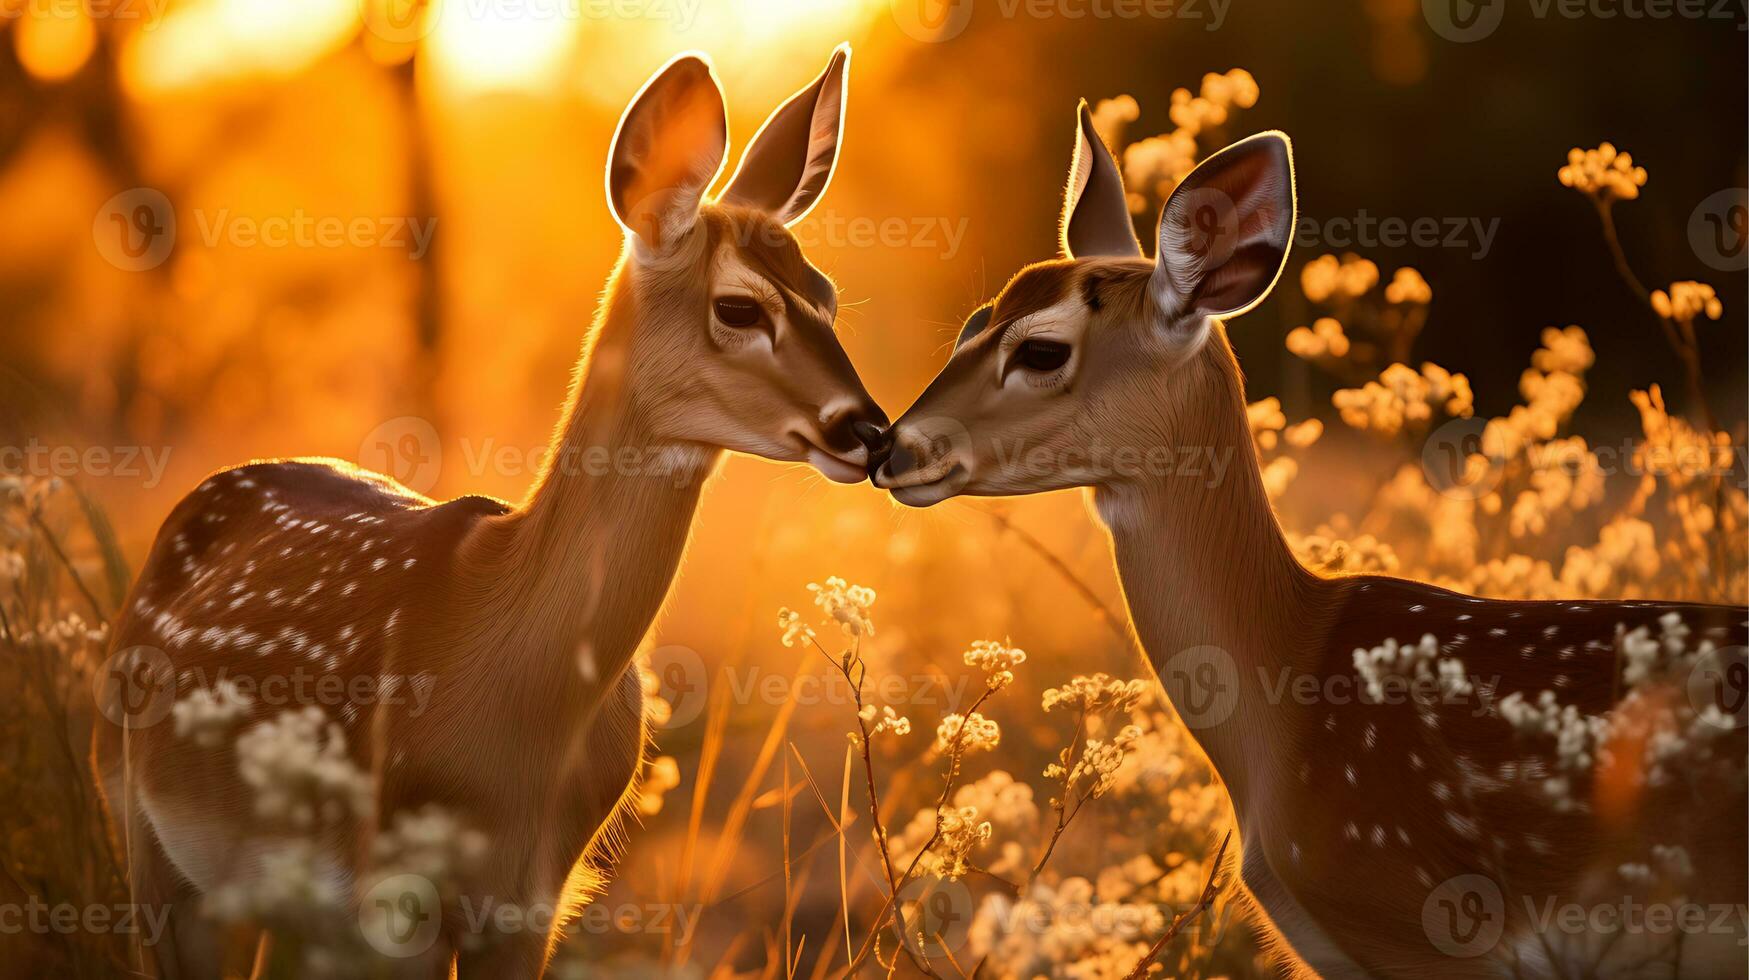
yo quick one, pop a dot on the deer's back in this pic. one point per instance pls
(1429, 783)
(296, 562)
(302, 582)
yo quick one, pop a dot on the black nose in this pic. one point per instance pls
(869, 434)
(854, 427)
(876, 439)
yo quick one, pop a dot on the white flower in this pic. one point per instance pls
(1096, 692)
(1675, 739)
(794, 630)
(1669, 863)
(884, 719)
(846, 604)
(962, 830)
(207, 715)
(298, 766)
(1419, 663)
(1096, 768)
(1673, 861)
(288, 885)
(996, 659)
(429, 842)
(980, 733)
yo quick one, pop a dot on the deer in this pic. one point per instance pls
(715, 335)
(1409, 835)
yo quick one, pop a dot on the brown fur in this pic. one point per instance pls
(1351, 814)
(525, 618)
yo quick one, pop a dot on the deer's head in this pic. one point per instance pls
(1085, 368)
(734, 344)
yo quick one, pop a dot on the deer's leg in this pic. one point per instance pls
(185, 944)
(511, 938)
(435, 963)
(517, 955)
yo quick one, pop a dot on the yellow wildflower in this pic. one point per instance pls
(1687, 300)
(1324, 338)
(1407, 286)
(1603, 173)
(1327, 277)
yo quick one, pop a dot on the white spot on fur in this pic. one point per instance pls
(1463, 825)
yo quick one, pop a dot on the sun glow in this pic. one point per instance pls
(218, 40)
(761, 47)
(503, 44)
(534, 46)
(605, 46)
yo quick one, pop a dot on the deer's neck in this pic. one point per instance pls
(571, 580)
(1205, 567)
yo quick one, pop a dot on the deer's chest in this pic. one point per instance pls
(541, 788)
(594, 769)
(1289, 917)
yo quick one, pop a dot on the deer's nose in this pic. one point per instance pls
(900, 457)
(876, 438)
(852, 427)
(871, 435)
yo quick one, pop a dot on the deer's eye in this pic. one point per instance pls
(738, 311)
(1042, 356)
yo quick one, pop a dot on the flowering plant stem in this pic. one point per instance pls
(1209, 891)
(1065, 816)
(1065, 813)
(896, 880)
(34, 514)
(855, 671)
(1679, 335)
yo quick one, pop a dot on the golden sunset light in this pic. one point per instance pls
(830, 489)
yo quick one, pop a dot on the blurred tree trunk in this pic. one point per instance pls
(92, 105)
(427, 290)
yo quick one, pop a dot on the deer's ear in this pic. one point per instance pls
(1225, 232)
(975, 324)
(668, 150)
(1096, 217)
(791, 159)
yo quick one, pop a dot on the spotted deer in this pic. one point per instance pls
(1403, 830)
(714, 334)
